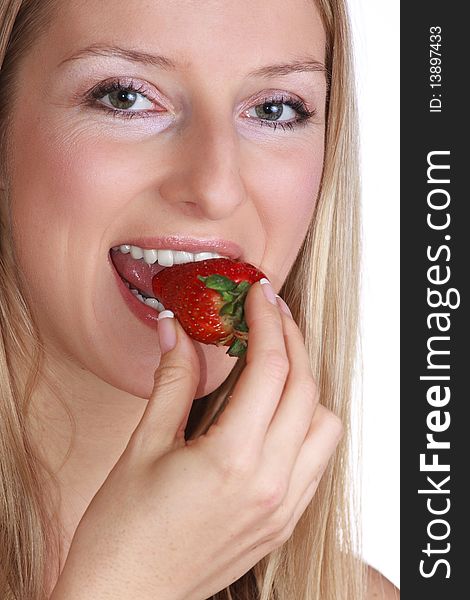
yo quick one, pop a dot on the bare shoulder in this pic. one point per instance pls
(379, 587)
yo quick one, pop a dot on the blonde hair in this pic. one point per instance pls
(320, 560)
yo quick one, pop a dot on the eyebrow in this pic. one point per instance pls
(163, 62)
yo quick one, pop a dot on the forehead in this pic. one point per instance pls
(209, 35)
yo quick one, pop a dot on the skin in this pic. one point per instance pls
(210, 173)
(202, 170)
(199, 166)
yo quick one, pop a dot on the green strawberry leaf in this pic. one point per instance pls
(227, 296)
(227, 309)
(238, 348)
(218, 282)
(243, 286)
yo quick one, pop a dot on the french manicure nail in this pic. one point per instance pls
(283, 306)
(166, 331)
(268, 290)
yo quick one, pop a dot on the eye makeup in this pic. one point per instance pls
(127, 91)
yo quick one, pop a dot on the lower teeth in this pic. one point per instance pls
(152, 302)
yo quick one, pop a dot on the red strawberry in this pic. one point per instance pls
(207, 297)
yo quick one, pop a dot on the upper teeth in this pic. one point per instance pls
(165, 258)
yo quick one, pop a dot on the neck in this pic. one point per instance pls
(80, 426)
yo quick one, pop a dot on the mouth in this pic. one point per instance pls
(137, 266)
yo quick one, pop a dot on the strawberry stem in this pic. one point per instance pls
(242, 326)
(233, 296)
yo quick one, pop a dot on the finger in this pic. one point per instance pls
(176, 379)
(259, 388)
(324, 435)
(292, 419)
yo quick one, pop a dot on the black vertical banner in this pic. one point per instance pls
(435, 310)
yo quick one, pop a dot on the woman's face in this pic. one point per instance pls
(203, 143)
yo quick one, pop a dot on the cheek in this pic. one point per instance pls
(78, 183)
(289, 197)
(67, 195)
(68, 192)
(66, 208)
(63, 199)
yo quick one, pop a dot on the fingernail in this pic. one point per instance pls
(268, 290)
(283, 306)
(166, 331)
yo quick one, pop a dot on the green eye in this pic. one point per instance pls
(127, 99)
(122, 99)
(272, 111)
(280, 111)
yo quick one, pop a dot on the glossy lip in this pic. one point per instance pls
(144, 313)
(186, 244)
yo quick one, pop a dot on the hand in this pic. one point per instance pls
(181, 521)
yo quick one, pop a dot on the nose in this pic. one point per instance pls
(204, 179)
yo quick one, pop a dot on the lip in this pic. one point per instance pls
(186, 244)
(144, 313)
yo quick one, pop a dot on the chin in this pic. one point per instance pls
(214, 364)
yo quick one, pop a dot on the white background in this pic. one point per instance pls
(376, 37)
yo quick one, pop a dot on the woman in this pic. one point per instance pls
(135, 462)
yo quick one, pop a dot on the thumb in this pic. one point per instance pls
(176, 379)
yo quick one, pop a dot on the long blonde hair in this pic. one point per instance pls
(320, 561)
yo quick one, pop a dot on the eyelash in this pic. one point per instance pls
(96, 94)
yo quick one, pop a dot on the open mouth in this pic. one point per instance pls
(138, 266)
